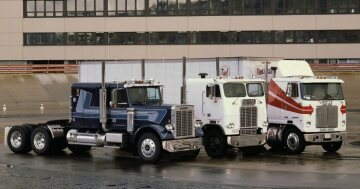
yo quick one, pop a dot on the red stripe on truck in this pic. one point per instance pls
(278, 98)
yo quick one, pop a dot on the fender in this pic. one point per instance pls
(209, 126)
(162, 133)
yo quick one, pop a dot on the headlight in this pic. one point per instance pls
(265, 124)
(231, 125)
(169, 127)
(198, 124)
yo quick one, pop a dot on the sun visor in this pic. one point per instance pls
(291, 68)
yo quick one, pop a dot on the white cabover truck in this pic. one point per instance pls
(303, 109)
(232, 112)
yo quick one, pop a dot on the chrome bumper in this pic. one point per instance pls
(246, 140)
(325, 137)
(182, 144)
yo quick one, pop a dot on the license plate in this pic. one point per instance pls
(327, 135)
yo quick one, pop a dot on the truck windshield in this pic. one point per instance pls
(234, 90)
(255, 89)
(321, 91)
(144, 95)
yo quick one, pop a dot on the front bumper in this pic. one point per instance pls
(246, 140)
(182, 144)
(325, 137)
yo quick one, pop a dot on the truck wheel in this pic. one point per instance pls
(18, 139)
(149, 148)
(78, 149)
(294, 141)
(41, 140)
(332, 146)
(253, 150)
(215, 144)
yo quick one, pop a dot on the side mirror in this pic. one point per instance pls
(288, 90)
(111, 104)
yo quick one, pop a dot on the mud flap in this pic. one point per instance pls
(7, 129)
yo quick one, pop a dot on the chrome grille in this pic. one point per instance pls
(184, 122)
(326, 117)
(248, 116)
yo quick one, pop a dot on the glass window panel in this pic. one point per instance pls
(289, 37)
(152, 7)
(30, 6)
(90, 5)
(309, 6)
(80, 7)
(199, 7)
(279, 6)
(131, 5)
(279, 37)
(40, 8)
(182, 7)
(354, 6)
(112, 7)
(237, 7)
(71, 7)
(140, 7)
(162, 7)
(99, 5)
(49, 8)
(294, 6)
(121, 6)
(267, 9)
(172, 7)
(71, 38)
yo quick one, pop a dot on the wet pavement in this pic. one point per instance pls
(109, 168)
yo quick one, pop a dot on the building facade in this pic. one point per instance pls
(65, 31)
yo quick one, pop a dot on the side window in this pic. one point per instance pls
(119, 98)
(213, 91)
(292, 90)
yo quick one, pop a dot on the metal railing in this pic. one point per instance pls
(335, 67)
(39, 68)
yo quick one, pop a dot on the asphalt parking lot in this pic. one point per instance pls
(108, 168)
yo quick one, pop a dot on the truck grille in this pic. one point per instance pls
(184, 122)
(248, 116)
(326, 117)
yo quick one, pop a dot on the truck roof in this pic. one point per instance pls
(314, 79)
(112, 85)
(224, 80)
(293, 68)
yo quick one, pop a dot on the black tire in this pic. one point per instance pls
(41, 141)
(294, 141)
(18, 140)
(60, 144)
(253, 150)
(215, 144)
(331, 146)
(78, 149)
(190, 155)
(149, 148)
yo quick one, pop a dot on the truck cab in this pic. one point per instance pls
(127, 115)
(232, 111)
(304, 109)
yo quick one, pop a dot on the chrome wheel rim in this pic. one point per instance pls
(148, 148)
(16, 139)
(39, 140)
(293, 141)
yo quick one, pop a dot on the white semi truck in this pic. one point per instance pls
(232, 112)
(303, 109)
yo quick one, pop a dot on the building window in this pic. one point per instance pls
(202, 37)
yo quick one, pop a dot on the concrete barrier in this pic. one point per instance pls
(24, 94)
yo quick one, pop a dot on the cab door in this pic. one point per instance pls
(291, 103)
(212, 103)
(118, 112)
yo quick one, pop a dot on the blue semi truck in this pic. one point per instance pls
(127, 115)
